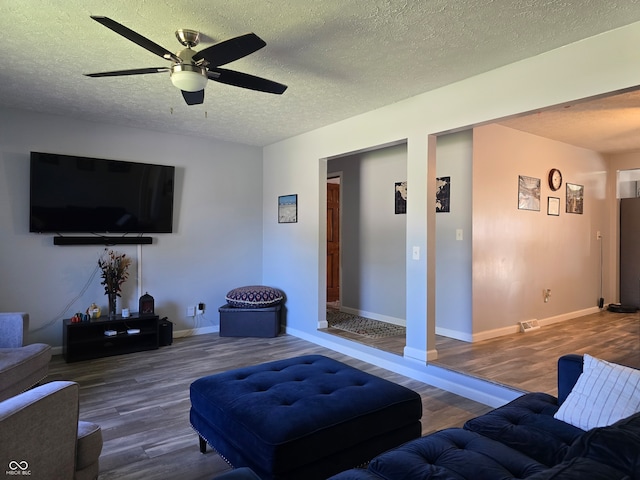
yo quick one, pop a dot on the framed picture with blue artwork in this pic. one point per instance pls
(288, 209)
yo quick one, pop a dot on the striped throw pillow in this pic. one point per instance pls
(604, 393)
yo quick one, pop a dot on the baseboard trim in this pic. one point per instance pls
(568, 316)
(456, 334)
(496, 332)
(196, 331)
(416, 354)
(374, 316)
(482, 391)
(499, 332)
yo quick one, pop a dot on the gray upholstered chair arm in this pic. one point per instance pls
(38, 430)
(14, 327)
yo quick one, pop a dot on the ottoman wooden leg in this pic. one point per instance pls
(203, 444)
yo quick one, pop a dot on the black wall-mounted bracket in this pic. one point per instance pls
(100, 240)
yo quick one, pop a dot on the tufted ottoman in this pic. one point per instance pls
(306, 417)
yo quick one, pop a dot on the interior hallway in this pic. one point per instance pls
(523, 360)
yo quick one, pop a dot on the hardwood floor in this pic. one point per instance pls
(528, 360)
(141, 401)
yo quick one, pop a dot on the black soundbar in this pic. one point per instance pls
(102, 240)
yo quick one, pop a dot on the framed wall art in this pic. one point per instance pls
(288, 209)
(553, 206)
(401, 197)
(575, 198)
(528, 193)
(443, 194)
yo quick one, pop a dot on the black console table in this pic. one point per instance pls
(86, 340)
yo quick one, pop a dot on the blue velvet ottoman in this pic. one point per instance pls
(306, 417)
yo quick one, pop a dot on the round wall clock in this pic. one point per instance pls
(555, 179)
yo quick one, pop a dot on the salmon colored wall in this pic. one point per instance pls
(518, 253)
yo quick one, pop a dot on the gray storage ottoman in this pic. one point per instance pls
(249, 322)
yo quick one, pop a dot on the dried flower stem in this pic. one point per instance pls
(114, 267)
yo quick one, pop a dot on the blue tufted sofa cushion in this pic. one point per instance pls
(525, 427)
(454, 454)
(254, 296)
(304, 417)
(526, 424)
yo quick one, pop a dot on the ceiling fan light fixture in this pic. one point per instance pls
(189, 78)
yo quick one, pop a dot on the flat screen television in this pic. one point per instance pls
(93, 195)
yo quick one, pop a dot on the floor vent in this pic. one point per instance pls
(529, 325)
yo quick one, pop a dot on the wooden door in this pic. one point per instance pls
(333, 242)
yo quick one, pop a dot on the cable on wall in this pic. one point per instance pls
(68, 306)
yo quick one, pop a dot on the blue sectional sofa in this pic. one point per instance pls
(524, 440)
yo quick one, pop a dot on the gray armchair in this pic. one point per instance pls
(41, 435)
(21, 366)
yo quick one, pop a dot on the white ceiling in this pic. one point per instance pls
(609, 124)
(339, 58)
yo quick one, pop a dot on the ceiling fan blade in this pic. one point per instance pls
(230, 50)
(193, 98)
(244, 80)
(135, 71)
(136, 38)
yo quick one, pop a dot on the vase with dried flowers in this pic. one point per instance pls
(114, 268)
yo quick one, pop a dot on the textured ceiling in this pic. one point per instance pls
(339, 58)
(608, 124)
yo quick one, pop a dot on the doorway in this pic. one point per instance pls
(333, 241)
(365, 247)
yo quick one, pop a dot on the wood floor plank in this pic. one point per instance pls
(527, 361)
(141, 401)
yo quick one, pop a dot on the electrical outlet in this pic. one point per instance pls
(200, 309)
(191, 311)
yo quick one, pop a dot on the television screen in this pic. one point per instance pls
(84, 195)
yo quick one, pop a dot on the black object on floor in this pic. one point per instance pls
(165, 328)
(619, 308)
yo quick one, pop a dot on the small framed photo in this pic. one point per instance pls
(575, 198)
(528, 193)
(443, 194)
(288, 209)
(400, 197)
(553, 206)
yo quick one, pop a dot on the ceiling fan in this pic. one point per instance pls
(189, 69)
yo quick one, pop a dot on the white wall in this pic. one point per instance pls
(454, 315)
(373, 235)
(518, 253)
(216, 244)
(600, 64)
